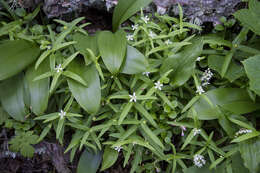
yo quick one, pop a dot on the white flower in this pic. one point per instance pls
(200, 90)
(158, 169)
(199, 58)
(145, 19)
(168, 42)
(130, 37)
(206, 76)
(146, 73)
(58, 68)
(158, 85)
(62, 113)
(152, 34)
(118, 148)
(242, 131)
(134, 27)
(132, 97)
(196, 131)
(199, 160)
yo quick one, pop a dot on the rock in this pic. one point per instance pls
(197, 11)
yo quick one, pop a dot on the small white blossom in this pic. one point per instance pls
(199, 58)
(242, 131)
(40, 151)
(62, 114)
(200, 90)
(146, 73)
(206, 76)
(152, 34)
(58, 68)
(168, 42)
(135, 27)
(196, 131)
(10, 154)
(132, 97)
(158, 85)
(130, 37)
(118, 149)
(199, 160)
(158, 169)
(145, 19)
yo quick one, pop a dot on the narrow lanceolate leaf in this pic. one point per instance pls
(89, 162)
(135, 62)
(75, 77)
(15, 56)
(188, 139)
(59, 127)
(112, 47)
(44, 132)
(235, 100)
(12, 97)
(183, 63)
(150, 133)
(88, 97)
(143, 111)
(39, 90)
(246, 136)
(252, 67)
(226, 63)
(109, 158)
(126, 9)
(125, 111)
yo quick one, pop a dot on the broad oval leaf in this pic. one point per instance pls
(89, 162)
(88, 97)
(12, 97)
(39, 90)
(235, 100)
(135, 61)
(126, 9)
(84, 42)
(250, 152)
(15, 56)
(252, 68)
(183, 63)
(109, 158)
(112, 47)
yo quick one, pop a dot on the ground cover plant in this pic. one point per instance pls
(155, 95)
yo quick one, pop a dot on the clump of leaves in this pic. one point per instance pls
(22, 142)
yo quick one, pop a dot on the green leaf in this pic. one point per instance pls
(88, 97)
(112, 54)
(183, 63)
(109, 158)
(39, 90)
(143, 111)
(235, 100)
(12, 99)
(252, 67)
(75, 77)
(85, 42)
(125, 111)
(246, 136)
(27, 150)
(226, 63)
(233, 72)
(150, 133)
(250, 152)
(126, 9)
(15, 56)
(250, 17)
(89, 162)
(135, 62)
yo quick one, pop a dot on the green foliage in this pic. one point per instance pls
(89, 162)
(250, 17)
(22, 142)
(150, 95)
